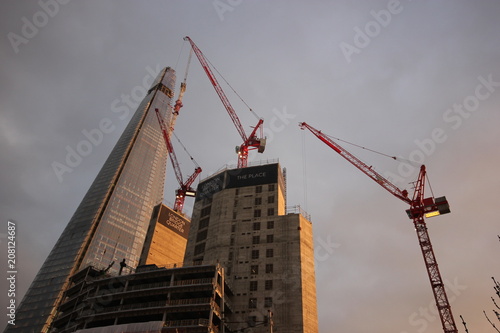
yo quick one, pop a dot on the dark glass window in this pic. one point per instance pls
(256, 213)
(269, 284)
(254, 269)
(270, 238)
(255, 239)
(200, 248)
(269, 268)
(269, 253)
(204, 223)
(206, 211)
(253, 285)
(256, 226)
(270, 224)
(202, 235)
(252, 303)
(255, 254)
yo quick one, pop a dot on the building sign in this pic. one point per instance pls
(251, 176)
(211, 186)
(174, 221)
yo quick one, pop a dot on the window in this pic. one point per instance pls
(270, 238)
(252, 303)
(206, 211)
(256, 213)
(230, 256)
(268, 302)
(269, 253)
(269, 268)
(231, 242)
(270, 199)
(255, 254)
(255, 239)
(256, 226)
(233, 228)
(234, 215)
(200, 248)
(204, 223)
(237, 191)
(258, 201)
(254, 269)
(270, 211)
(253, 285)
(258, 189)
(269, 285)
(270, 224)
(202, 235)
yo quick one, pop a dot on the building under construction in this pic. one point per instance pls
(153, 299)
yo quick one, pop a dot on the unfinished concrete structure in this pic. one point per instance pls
(240, 220)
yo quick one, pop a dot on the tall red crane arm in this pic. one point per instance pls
(170, 148)
(367, 170)
(249, 142)
(218, 89)
(419, 208)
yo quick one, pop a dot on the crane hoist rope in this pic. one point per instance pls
(236, 93)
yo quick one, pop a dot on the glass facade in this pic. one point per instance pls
(111, 222)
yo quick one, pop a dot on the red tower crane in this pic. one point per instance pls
(420, 207)
(250, 142)
(185, 188)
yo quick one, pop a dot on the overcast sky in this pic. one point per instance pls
(415, 79)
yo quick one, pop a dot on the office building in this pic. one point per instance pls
(240, 220)
(111, 222)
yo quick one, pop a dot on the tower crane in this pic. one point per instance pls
(420, 207)
(251, 141)
(185, 188)
(178, 103)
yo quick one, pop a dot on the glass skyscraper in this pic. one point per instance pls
(111, 222)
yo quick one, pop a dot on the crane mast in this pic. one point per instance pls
(185, 188)
(249, 142)
(420, 207)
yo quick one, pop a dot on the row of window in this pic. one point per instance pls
(258, 212)
(256, 253)
(258, 188)
(268, 285)
(254, 269)
(258, 201)
(252, 302)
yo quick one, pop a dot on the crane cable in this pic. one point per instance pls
(248, 106)
(191, 157)
(374, 151)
